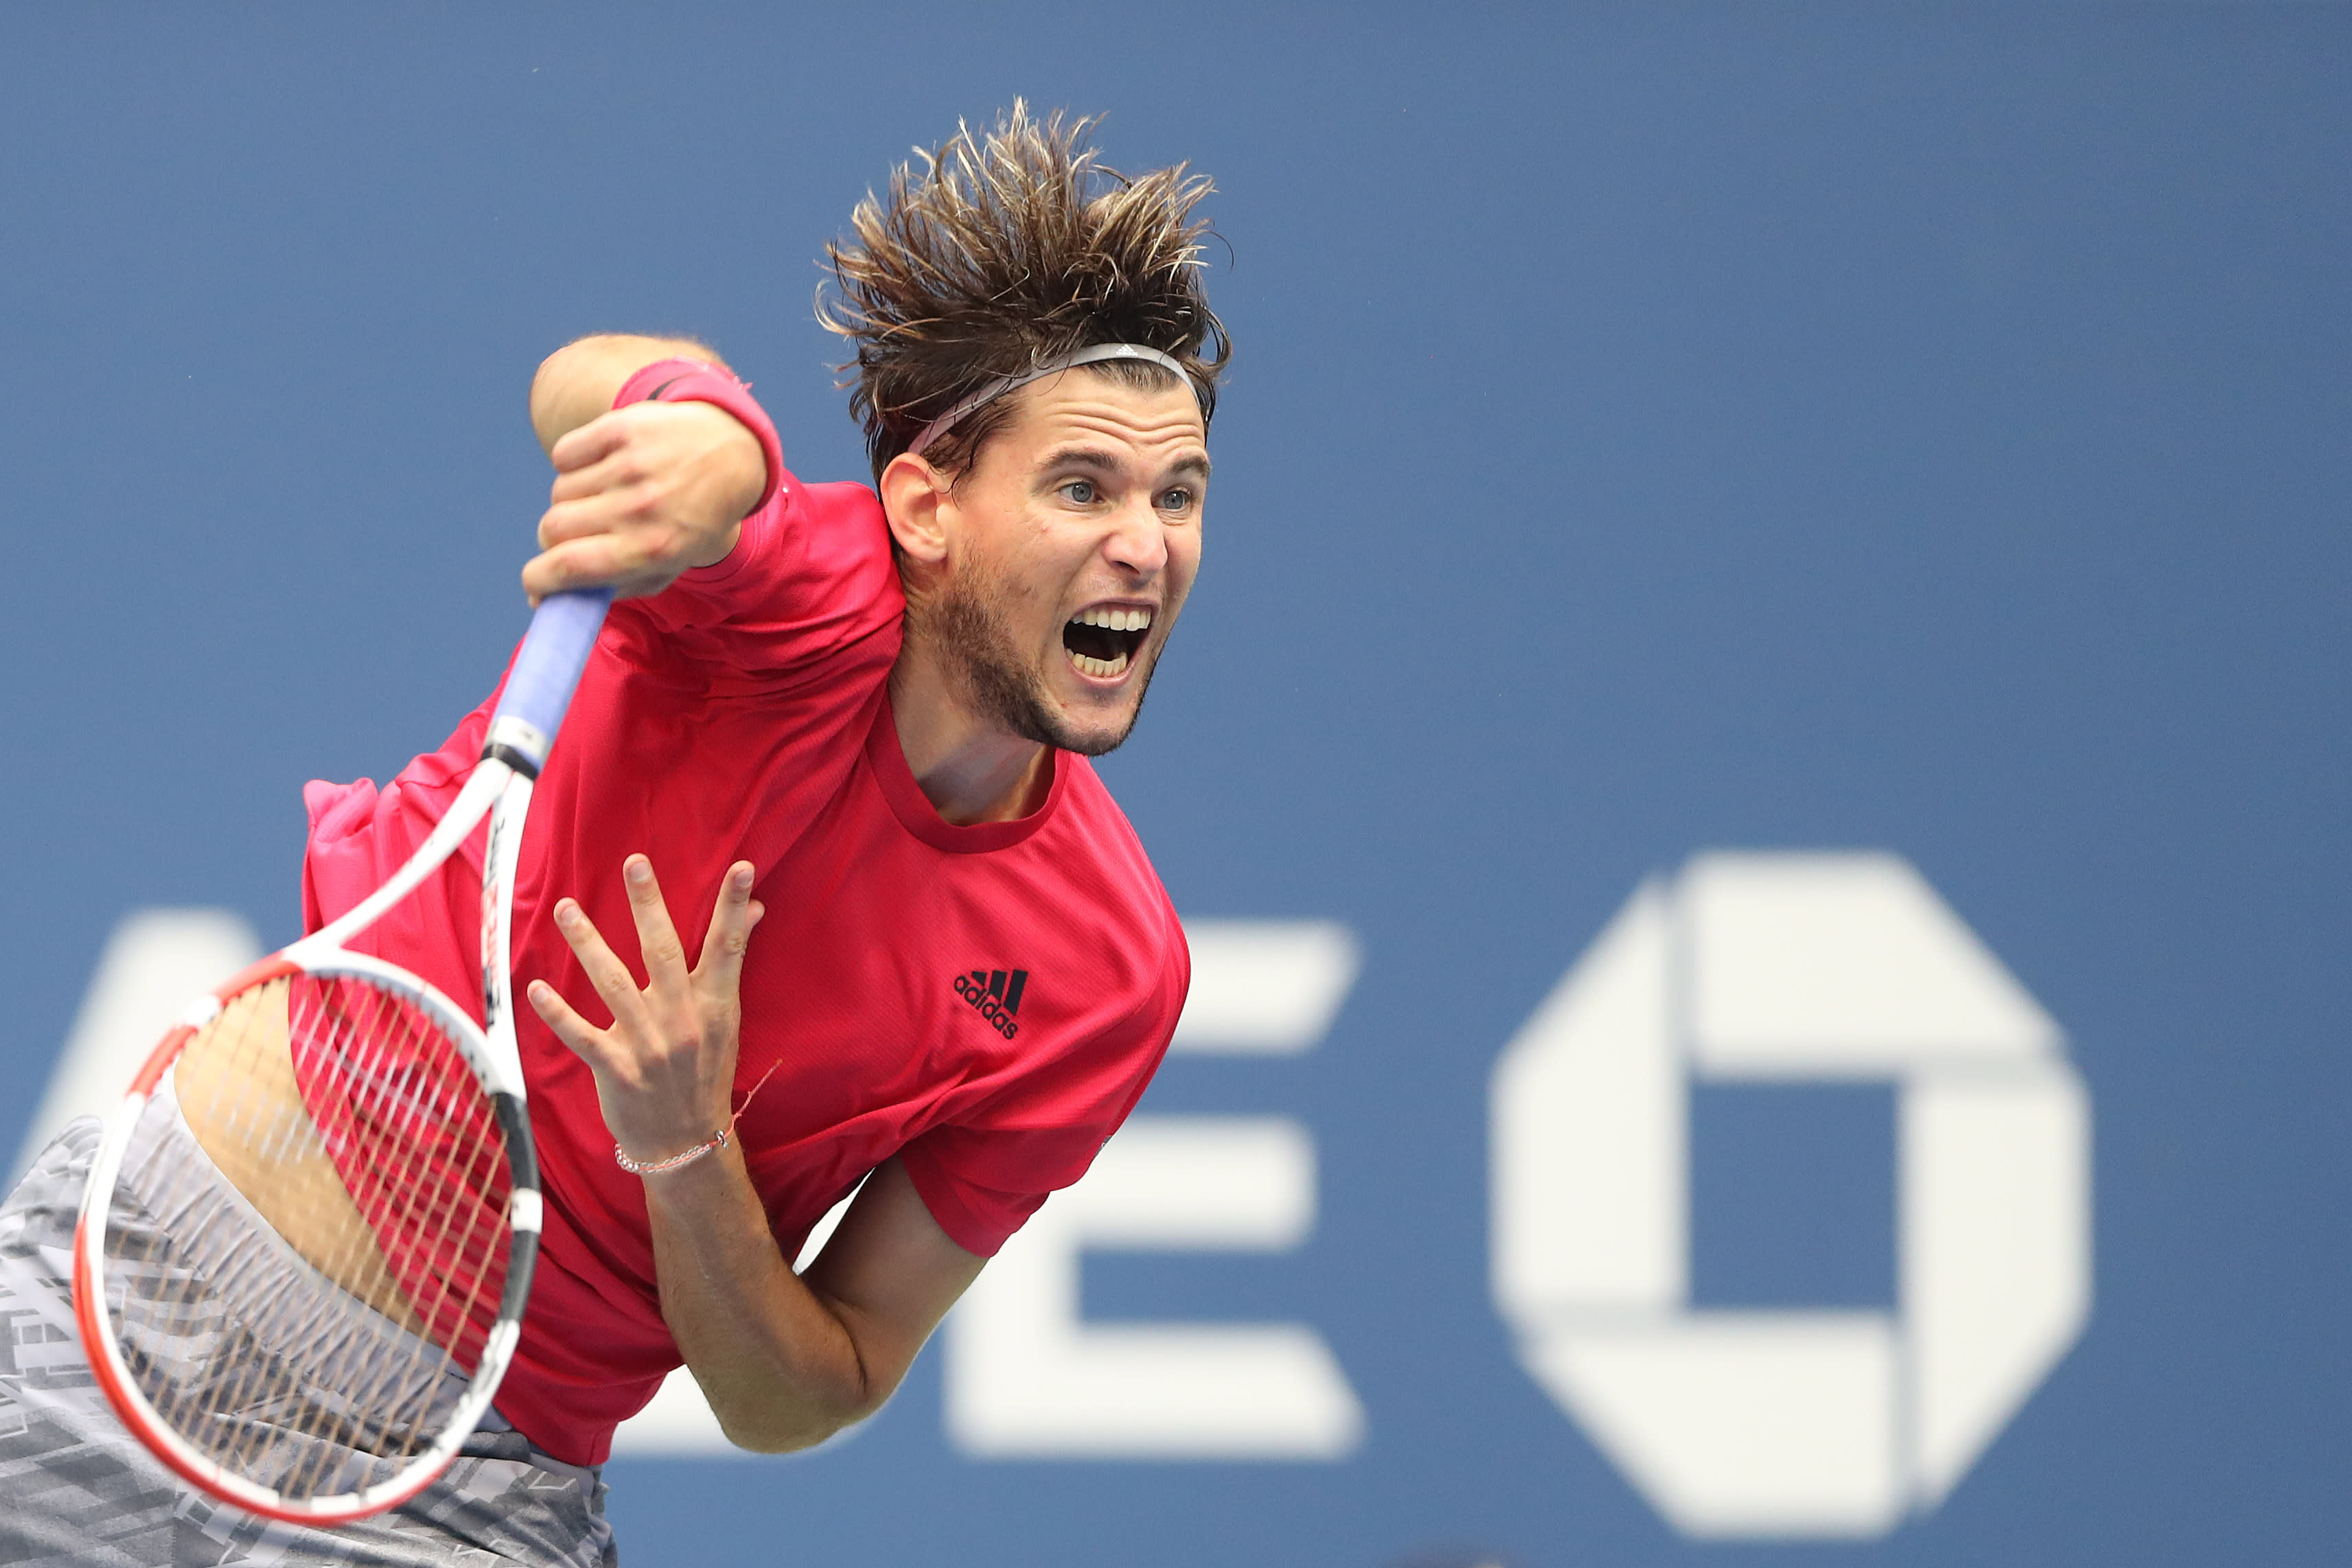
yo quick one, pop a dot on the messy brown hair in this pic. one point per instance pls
(1003, 252)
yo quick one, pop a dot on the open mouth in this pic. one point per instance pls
(1103, 641)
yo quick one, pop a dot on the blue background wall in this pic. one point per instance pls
(1655, 427)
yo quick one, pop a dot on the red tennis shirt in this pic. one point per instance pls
(985, 1002)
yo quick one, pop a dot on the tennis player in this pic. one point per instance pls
(818, 888)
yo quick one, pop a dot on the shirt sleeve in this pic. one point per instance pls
(810, 578)
(983, 1176)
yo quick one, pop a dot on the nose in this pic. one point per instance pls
(1138, 541)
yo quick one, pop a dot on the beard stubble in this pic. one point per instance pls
(970, 618)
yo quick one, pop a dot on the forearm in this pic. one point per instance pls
(645, 492)
(785, 1362)
(781, 1370)
(578, 381)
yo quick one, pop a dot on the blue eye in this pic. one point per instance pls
(1176, 500)
(1080, 491)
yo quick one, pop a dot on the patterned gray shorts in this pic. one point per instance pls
(76, 1489)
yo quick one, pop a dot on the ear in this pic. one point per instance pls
(913, 496)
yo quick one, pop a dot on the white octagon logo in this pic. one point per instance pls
(1790, 967)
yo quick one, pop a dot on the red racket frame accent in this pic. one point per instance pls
(131, 1408)
(128, 1404)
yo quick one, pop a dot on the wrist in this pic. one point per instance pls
(701, 1186)
(663, 1164)
(693, 381)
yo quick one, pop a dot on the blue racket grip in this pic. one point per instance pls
(539, 687)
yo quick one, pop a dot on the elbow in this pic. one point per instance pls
(759, 1439)
(563, 388)
(785, 1422)
(579, 380)
(782, 1431)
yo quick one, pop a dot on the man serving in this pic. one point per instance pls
(818, 888)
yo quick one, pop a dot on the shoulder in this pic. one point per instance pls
(1087, 815)
(831, 530)
(1115, 892)
(840, 513)
(811, 575)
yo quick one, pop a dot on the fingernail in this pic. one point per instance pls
(566, 912)
(743, 878)
(638, 868)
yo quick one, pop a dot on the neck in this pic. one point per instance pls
(968, 769)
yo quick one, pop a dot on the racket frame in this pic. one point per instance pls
(522, 731)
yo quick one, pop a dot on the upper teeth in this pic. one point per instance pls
(1115, 620)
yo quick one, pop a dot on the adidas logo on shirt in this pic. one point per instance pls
(995, 996)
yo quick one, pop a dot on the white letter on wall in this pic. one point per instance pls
(156, 963)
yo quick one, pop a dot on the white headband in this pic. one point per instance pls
(996, 389)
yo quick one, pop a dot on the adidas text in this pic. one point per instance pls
(995, 996)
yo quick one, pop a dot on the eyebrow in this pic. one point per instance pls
(1192, 465)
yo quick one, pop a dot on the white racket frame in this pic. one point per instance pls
(502, 793)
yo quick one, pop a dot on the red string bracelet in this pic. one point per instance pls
(716, 1141)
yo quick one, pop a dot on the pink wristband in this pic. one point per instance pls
(692, 381)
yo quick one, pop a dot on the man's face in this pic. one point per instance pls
(1072, 543)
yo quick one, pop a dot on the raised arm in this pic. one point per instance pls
(641, 493)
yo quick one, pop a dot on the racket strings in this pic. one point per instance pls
(427, 1205)
(279, 1138)
(361, 1054)
(199, 1257)
(310, 1242)
(242, 1412)
(439, 1219)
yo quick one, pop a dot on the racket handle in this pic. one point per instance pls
(539, 687)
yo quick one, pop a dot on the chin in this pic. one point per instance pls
(1092, 735)
(1097, 741)
(1096, 729)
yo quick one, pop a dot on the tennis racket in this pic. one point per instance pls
(309, 1231)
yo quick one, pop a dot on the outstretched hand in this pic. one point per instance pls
(665, 1070)
(642, 494)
